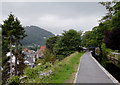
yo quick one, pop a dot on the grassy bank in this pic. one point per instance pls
(66, 68)
(62, 72)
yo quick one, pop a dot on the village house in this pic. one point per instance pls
(30, 56)
(40, 52)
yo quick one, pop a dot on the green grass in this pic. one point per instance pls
(65, 68)
(62, 70)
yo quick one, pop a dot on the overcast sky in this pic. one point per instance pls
(56, 16)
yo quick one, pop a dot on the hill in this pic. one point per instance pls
(35, 35)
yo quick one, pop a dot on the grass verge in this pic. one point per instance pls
(63, 71)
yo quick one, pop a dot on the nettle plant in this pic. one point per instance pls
(15, 80)
(31, 73)
(40, 72)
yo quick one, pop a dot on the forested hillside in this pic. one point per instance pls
(35, 35)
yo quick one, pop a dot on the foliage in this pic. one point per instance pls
(12, 33)
(39, 61)
(48, 73)
(66, 67)
(15, 80)
(7, 41)
(88, 39)
(50, 43)
(43, 67)
(47, 56)
(119, 58)
(99, 35)
(31, 73)
(112, 39)
(112, 36)
(68, 43)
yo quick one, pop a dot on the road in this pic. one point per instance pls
(90, 72)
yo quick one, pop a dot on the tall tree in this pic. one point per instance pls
(88, 39)
(7, 34)
(12, 32)
(50, 43)
(19, 34)
(68, 43)
(112, 38)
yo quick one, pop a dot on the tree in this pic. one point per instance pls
(112, 36)
(115, 21)
(88, 39)
(112, 17)
(50, 43)
(21, 65)
(112, 39)
(99, 36)
(68, 43)
(7, 36)
(109, 8)
(12, 33)
(19, 34)
(108, 22)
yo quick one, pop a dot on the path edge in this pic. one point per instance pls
(75, 79)
(105, 71)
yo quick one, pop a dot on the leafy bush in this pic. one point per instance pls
(28, 72)
(43, 67)
(15, 80)
(47, 56)
(39, 61)
(67, 44)
(119, 58)
(31, 73)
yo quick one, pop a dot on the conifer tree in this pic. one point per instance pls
(7, 34)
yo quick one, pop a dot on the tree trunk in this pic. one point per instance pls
(22, 67)
(16, 56)
(10, 57)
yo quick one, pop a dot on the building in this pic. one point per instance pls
(40, 52)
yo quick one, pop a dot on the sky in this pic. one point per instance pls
(55, 16)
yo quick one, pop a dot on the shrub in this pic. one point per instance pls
(28, 72)
(119, 58)
(39, 61)
(47, 56)
(48, 65)
(31, 73)
(15, 80)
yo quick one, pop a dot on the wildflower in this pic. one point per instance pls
(33, 80)
(41, 75)
(44, 74)
(41, 71)
(50, 72)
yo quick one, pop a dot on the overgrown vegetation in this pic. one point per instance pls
(15, 80)
(57, 66)
(106, 36)
(12, 34)
(59, 73)
(68, 43)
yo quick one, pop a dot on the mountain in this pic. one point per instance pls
(35, 35)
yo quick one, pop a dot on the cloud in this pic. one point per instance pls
(55, 0)
(56, 16)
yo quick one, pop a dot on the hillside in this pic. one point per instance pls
(35, 35)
